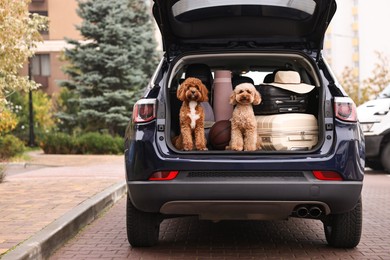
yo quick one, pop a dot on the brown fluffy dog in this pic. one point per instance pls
(244, 126)
(191, 92)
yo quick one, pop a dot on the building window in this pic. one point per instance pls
(40, 65)
(40, 69)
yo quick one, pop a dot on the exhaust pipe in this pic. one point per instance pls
(315, 212)
(312, 212)
(302, 212)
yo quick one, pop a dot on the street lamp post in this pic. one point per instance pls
(31, 142)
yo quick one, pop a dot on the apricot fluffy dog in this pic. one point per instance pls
(192, 92)
(244, 126)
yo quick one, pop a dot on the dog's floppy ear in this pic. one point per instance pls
(204, 91)
(233, 100)
(257, 98)
(181, 91)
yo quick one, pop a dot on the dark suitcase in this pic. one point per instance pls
(276, 100)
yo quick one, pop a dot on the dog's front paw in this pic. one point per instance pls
(250, 148)
(201, 147)
(236, 148)
(188, 148)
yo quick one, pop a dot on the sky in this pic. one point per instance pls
(374, 34)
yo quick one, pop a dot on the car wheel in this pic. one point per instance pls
(385, 157)
(344, 230)
(376, 165)
(142, 227)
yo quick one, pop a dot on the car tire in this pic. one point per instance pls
(344, 230)
(142, 227)
(385, 157)
(374, 164)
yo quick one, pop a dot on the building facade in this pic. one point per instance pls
(356, 35)
(341, 45)
(46, 65)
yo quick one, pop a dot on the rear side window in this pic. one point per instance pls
(189, 10)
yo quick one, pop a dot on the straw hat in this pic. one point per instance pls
(290, 80)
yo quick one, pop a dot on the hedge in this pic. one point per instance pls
(88, 143)
(10, 146)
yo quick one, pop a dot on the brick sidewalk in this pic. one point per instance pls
(36, 193)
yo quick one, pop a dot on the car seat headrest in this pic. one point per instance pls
(269, 78)
(237, 80)
(202, 72)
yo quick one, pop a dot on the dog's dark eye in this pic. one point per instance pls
(249, 92)
(241, 91)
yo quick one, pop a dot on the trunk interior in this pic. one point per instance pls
(288, 119)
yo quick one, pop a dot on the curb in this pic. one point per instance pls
(45, 242)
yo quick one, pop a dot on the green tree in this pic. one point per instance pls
(66, 104)
(350, 84)
(380, 78)
(43, 114)
(370, 87)
(19, 33)
(109, 70)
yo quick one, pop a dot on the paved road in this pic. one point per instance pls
(190, 238)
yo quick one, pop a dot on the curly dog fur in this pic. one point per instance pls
(192, 92)
(244, 126)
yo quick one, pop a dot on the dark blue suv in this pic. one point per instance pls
(252, 40)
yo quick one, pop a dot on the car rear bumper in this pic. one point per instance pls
(261, 197)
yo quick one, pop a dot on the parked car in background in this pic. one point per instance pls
(318, 175)
(374, 118)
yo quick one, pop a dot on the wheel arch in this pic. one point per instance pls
(385, 139)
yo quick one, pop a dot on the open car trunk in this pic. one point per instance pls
(289, 119)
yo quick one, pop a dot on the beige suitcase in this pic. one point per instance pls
(294, 131)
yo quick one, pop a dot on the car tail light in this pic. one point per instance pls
(327, 176)
(144, 110)
(163, 176)
(345, 109)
